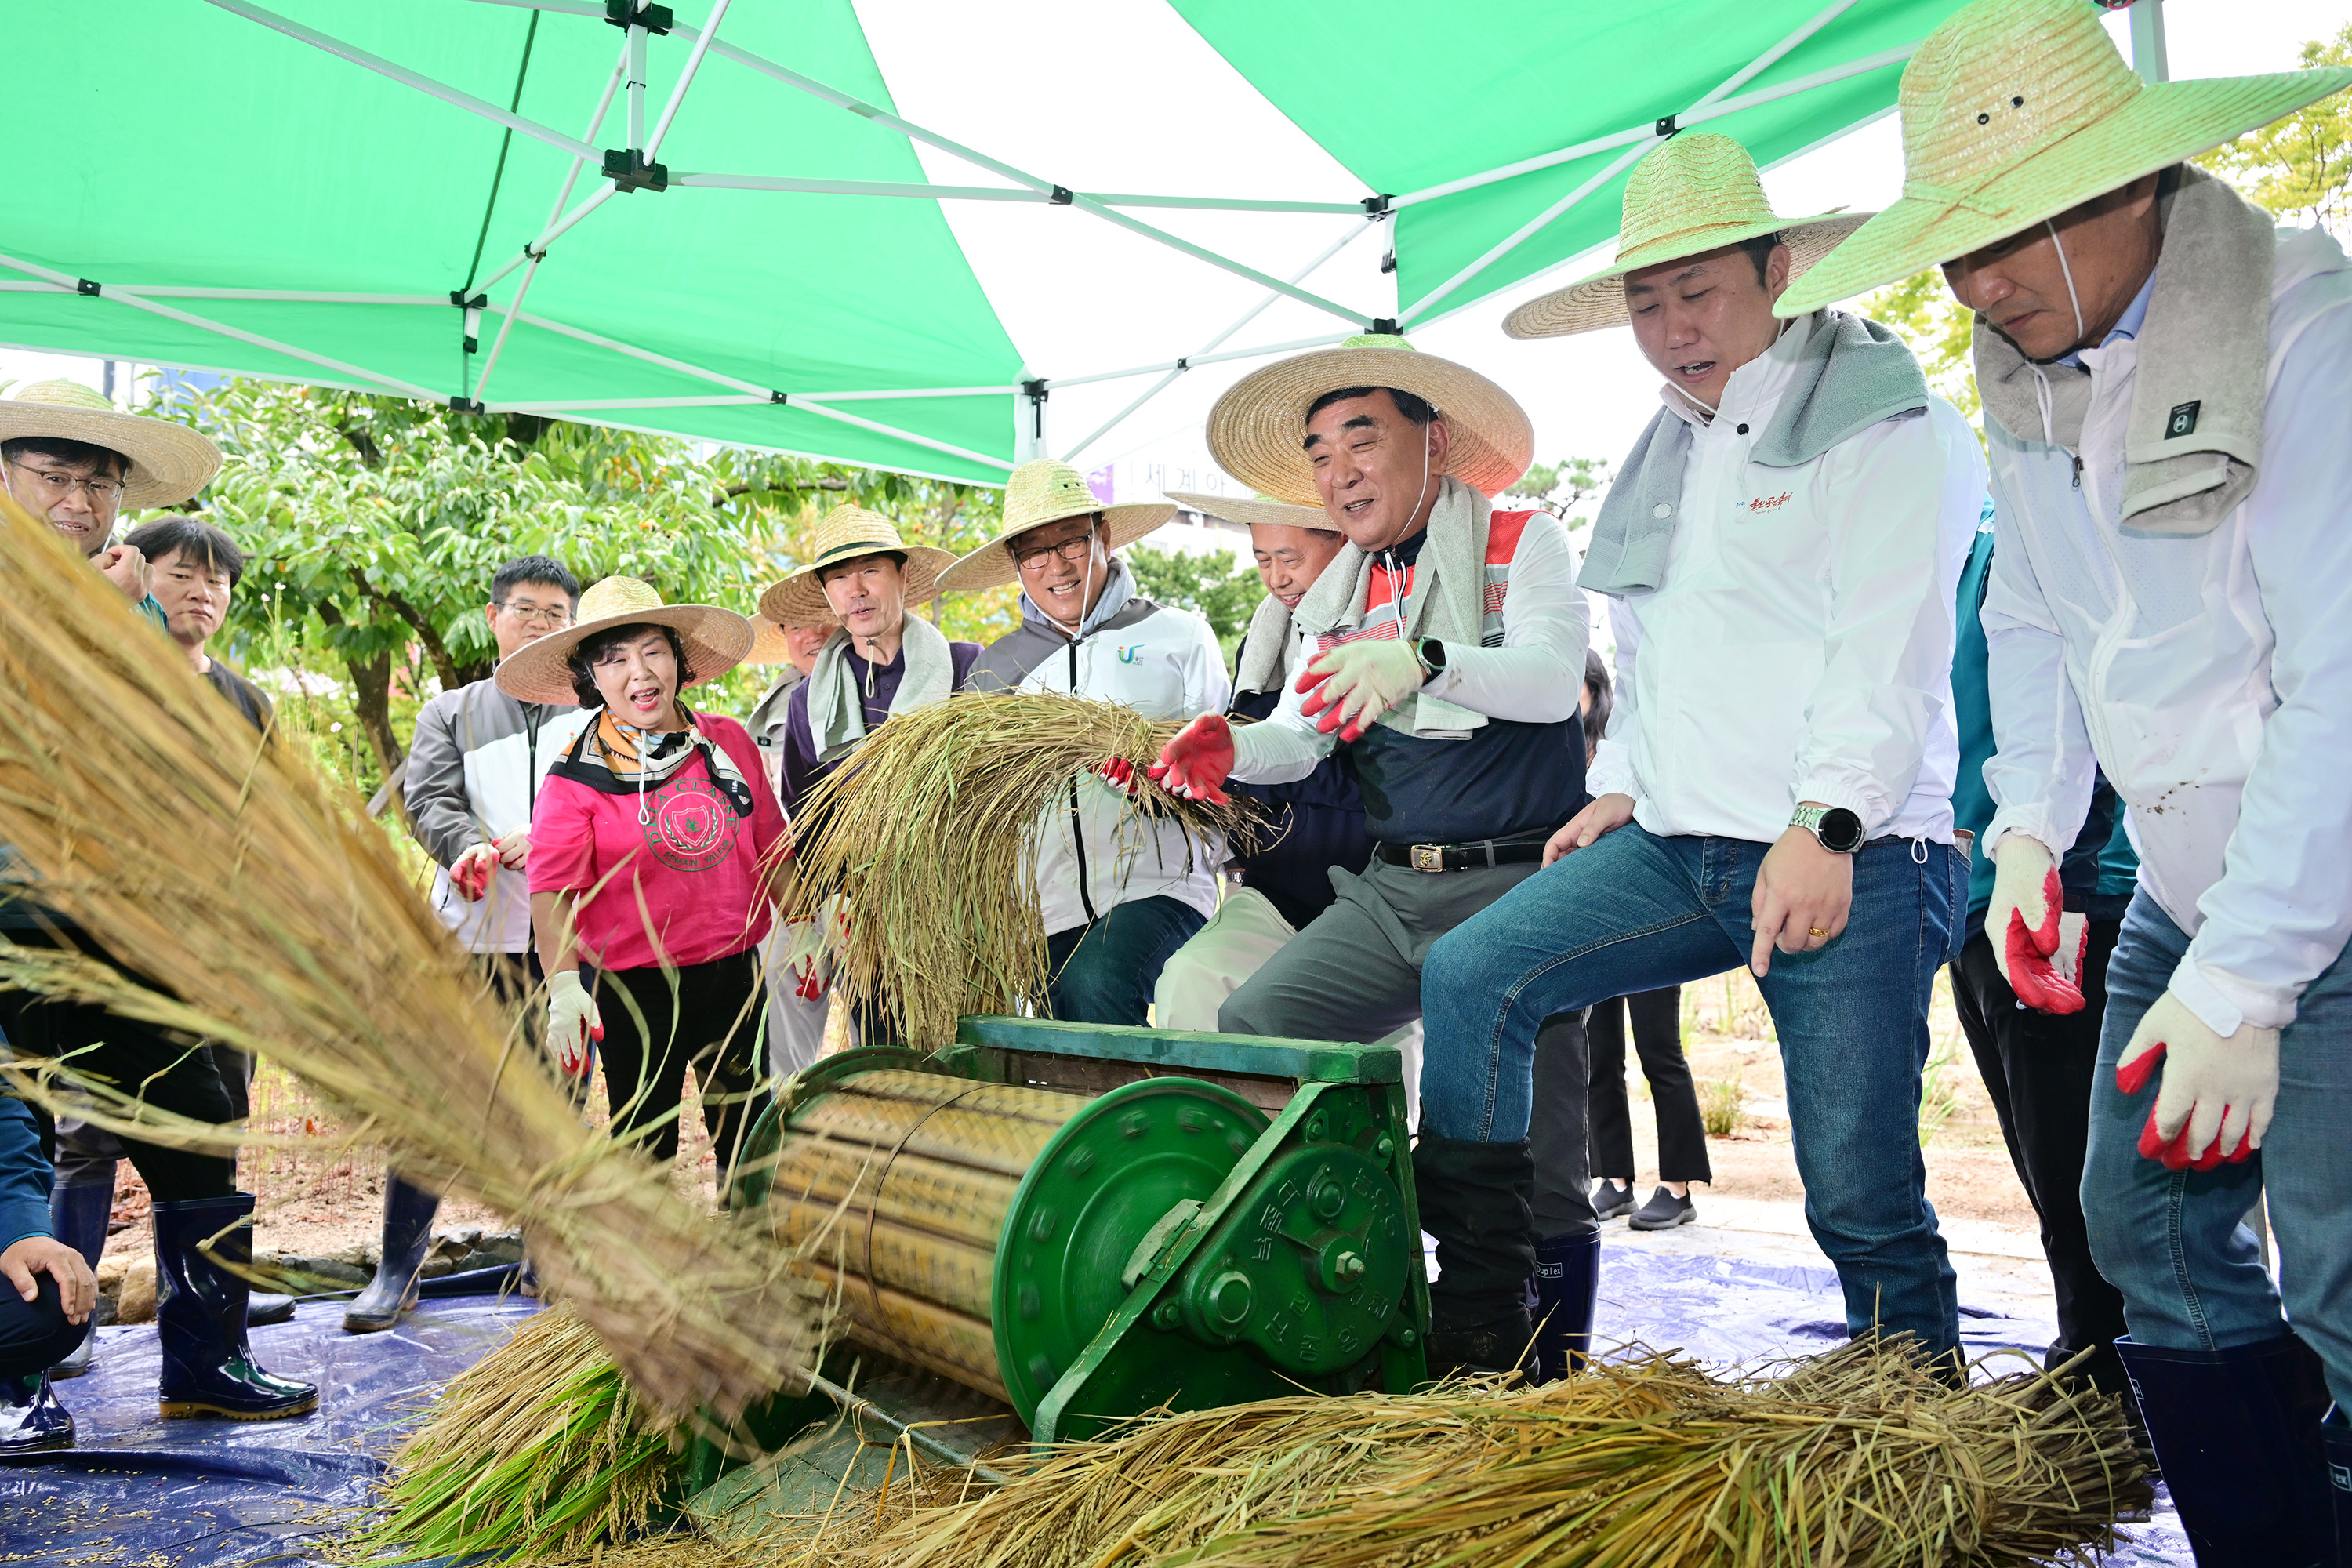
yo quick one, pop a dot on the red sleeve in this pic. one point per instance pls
(562, 838)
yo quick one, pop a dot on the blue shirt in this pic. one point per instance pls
(2133, 318)
(23, 1174)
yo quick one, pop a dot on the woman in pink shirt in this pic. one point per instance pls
(654, 850)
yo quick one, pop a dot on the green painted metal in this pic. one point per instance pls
(1309, 1061)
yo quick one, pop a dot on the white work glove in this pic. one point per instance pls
(2026, 923)
(571, 1022)
(1357, 682)
(2216, 1101)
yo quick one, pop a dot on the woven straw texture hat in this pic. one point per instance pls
(1258, 509)
(768, 643)
(2015, 110)
(1256, 428)
(716, 640)
(1696, 194)
(1038, 493)
(846, 533)
(169, 463)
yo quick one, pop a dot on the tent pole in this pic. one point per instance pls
(636, 87)
(686, 78)
(595, 123)
(506, 325)
(893, 431)
(1029, 420)
(2149, 55)
(993, 193)
(1197, 360)
(276, 295)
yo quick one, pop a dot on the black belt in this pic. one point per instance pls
(1475, 856)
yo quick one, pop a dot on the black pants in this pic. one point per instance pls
(655, 1022)
(1556, 1129)
(170, 1071)
(35, 1335)
(2038, 1070)
(1658, 1040)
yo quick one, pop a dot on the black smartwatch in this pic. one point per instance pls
(1432, 654)
(1838, 829)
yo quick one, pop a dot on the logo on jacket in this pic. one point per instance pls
(1764, 503)
(690, 826)
(1126, 655)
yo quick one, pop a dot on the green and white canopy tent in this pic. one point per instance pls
(885, 233)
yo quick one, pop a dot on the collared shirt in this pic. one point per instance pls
(2203, 675)
(1800, 646)
(2128, 326)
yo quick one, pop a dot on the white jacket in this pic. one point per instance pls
(1800, 645)
(2209, 676)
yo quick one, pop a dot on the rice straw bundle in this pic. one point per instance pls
(539, 1447)
(237, 878)
(929, 830)
(1858, 1457)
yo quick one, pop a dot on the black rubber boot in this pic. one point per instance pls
(1568, 1286)
(31, 1419)
(1474, 1200)
(2336, 1441)
(407, 1235)
(79, 1213)
(2237, 1432)
(262, 1311)
(207, 1368)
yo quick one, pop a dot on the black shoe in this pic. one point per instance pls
(260, 1312)
(1663, 1212)
(1474, 1199)
(1568, 1285)
(79, 1213)
(207, 1367)
(2238, 1433)
(407, 1235)
(1503, 1344)
(1611, 1199)
(31, 1419)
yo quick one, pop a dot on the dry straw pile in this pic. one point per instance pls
(1857, 1457)
(931, 831)
(229, 872)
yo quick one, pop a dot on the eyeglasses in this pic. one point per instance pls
(1071, 550)
(57, 485)
(533, 616)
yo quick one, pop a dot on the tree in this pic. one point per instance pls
(1938, 328)
(2299, 168)
(1206, 585)
(1579, 477)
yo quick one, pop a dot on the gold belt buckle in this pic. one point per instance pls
(1429, 857)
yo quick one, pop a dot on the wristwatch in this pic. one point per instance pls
(1839, 830)
(1432, 654)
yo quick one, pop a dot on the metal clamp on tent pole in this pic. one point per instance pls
(651, 19)
(627, 169)
(1376, 207)
(1062, 196)
(89, 286)
(472, 305)
(1665, 127)
(1035, 390)
(467, 405)
(1385, 327)
(776, 397)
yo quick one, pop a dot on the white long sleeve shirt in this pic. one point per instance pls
(2211, 677)
(1799, 646)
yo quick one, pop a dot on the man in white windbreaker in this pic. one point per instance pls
(1120, 892)
(1780, 554)
(2168, 390)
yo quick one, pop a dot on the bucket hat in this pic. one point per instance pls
(845, 534)
(2016, 110)
(1696, 193)
(1255, 428)
(1038, 493)
(1256, 510)
(169, 463)
(716, 640)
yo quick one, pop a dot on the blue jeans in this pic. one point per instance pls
(1105, 971)
(2171, 1241)
(1635, 912)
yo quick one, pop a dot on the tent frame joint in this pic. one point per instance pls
(1062, 197)
(89, 286)
(1666, 127)
(777, 397)
(627, 169)
(1377, 206)
(468, 405)
(1385, 327)
(653, 18)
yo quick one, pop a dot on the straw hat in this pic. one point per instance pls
(2015, 110)
(716, 640)
(1258, 509)
(1256, 428)
(1697, 191)
(1042, 492)
(169, 463)
(846, 533)
(768, 643)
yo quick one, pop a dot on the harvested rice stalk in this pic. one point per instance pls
(538, 1449)
(269, 901)
(922, 829)
(1857, 1457)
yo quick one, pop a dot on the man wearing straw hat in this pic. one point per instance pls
(877, 660)
(1448, 642)
(1119, 893)
(2168, 390)
(1780, 552)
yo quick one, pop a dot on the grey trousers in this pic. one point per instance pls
(1354, 974)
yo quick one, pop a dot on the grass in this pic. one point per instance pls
(1722, 1106)
(1939, 1087)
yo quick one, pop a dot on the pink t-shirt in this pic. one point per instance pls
(695, 864)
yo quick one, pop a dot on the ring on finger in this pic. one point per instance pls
(1816, 930)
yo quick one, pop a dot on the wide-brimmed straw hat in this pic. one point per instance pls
(767, 643)
(716, 640)
(169, 463)
(846, 533)
(1256, 510)
(1696, 193)
(1038, 493)
(1258, 427)
(2016, 110)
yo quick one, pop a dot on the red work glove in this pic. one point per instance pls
(1121, 774)
(2024, 917)
(1197, 759)
(471, 874)
(2218, 1092)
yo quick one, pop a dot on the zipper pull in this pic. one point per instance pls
(2078, 471)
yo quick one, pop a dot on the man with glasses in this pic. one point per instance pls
(472, 776)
